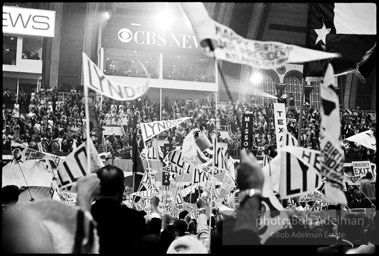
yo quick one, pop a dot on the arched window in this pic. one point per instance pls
(315, 95)
(293, 88)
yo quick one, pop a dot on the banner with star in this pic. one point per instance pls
(332, 155)
(230, 46)
(345, 28)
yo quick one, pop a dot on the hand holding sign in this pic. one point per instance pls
(249, 172)
(88, 187)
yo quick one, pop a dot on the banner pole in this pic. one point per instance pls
(210, 192)
(299, 130)
(228, 92)
(87, 128)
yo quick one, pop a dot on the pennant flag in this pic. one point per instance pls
(366, 139)
(95, 79)
(345, 28)
(232, 47)
(74, 166)
(35, 175)
(331, 151)
(152, 129)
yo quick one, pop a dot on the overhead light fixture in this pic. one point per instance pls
(164, 18)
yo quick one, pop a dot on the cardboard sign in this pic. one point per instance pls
(297, 178)
(361, 168)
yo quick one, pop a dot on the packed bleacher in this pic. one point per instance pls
(46, 118)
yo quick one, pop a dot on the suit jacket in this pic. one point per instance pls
(120, 228)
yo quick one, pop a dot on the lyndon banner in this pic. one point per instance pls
(95, 79)
(232, 47)
(152, 129)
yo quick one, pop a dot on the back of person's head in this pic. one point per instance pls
(180, 227)
(111, 180)
(192, 227)
(369, 175)
(183, 214)
(9, 194)
(186, 244)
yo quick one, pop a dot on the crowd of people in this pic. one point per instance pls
(43, 121)
(204, 117)
(50, 120)
(123, 229)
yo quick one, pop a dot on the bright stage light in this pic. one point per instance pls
(106, 15)
(256, 78)
(164, 18)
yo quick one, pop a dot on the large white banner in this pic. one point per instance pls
(152, 129)
(30, 170)
(95, 79)
(366, 139)
(74, 165)
(232, 47)
(280, 123)
(332, 154)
